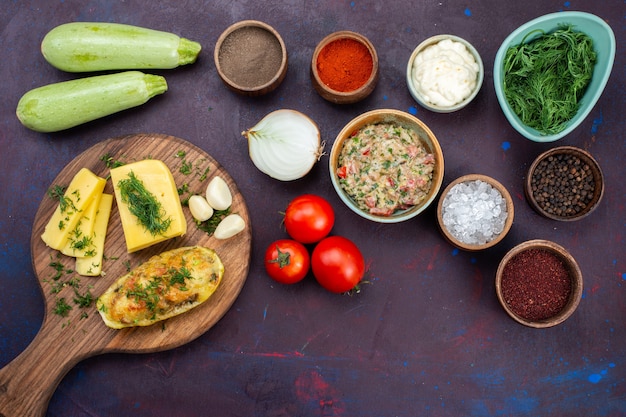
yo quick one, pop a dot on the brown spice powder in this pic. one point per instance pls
(536, 284)
(250, 56)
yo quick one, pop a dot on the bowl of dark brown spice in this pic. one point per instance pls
(539, 283)
(251, 58)
(344, 67)
(564, 183)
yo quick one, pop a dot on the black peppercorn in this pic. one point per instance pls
(562, 185)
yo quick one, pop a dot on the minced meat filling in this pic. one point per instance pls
(385, 168)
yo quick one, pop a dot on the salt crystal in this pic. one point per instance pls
(474, 212)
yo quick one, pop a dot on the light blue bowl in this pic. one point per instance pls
(604, 45)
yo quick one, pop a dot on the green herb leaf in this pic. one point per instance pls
(545, 78)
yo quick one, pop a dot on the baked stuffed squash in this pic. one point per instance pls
(166, 285)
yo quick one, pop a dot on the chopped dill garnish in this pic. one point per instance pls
(83, 300)
(210, 225)
(150, 292)
(205, 174)
(110, 162)
(545, 78)
(62, 308)
(143, 205)
(56, 192)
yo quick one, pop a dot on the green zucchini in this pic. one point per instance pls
(66, 104)
(93, 46)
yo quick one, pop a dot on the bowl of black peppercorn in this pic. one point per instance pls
(564, 183)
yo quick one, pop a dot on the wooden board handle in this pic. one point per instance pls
(28, 382)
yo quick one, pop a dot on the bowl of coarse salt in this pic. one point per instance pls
(444, 73)
(475, 212)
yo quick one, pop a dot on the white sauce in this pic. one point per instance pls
(445, 73)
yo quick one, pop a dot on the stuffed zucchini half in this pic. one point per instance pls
(165, 286)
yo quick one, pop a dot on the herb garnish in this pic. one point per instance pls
(110, 162)
(150, 292)
(56, 192)
(62, 308)
(210, 225)
(143, 204)
(545, 78)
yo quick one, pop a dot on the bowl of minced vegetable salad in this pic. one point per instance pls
(386, 165)
(550, 72)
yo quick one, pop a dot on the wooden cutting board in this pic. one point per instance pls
(28, 382)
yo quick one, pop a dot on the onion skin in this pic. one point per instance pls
(285, 144)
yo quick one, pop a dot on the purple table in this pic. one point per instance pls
(428, 337)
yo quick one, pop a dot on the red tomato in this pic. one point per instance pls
(287, 261)
(337, 264)
(309, 218)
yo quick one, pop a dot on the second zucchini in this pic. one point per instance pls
(66, 104)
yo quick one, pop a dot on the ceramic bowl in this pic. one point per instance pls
(344, 97)
(604, 45)
(415, 91)
(398, 118)
(450, 237)
(570, 265)
(241, 54)
(535, 193)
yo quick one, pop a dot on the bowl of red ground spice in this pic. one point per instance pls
(564, 183)
(539, 283)
(251, 58)
(344, 67)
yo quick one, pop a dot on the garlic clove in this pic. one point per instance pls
(229, 227)
(218, 194)
(200, 209)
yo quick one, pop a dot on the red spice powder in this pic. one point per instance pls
(344, 65)
(536, 284)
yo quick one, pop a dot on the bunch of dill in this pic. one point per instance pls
(545, 78)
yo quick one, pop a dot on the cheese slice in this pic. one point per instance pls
(158, 180)
(92, 265)
(79, 194)
(80, 240)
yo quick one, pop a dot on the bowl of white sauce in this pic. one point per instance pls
(444, 73)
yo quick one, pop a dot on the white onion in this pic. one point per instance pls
(285, 144)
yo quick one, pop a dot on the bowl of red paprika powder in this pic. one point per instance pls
(344, 67)
(539, 284)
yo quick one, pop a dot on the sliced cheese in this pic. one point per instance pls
(80, 192)
(92, 265)
(80, 240)
(158, 180)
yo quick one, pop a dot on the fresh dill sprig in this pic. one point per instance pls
(545, 78)
(144, 205)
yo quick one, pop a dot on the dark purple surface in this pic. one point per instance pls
(428, 336)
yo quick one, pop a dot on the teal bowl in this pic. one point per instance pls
(604, 46)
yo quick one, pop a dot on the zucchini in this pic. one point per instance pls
(92, 46)
(66, 104)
